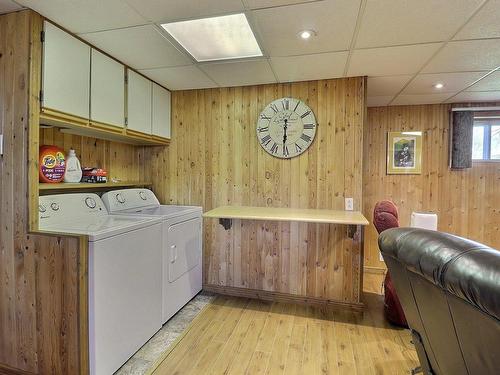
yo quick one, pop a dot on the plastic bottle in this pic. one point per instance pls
(73, 168)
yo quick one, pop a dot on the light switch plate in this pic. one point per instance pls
(349, 204)
(1, 144)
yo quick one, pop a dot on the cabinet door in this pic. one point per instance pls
(161, 111)
(139, 103)
(66, 72)
(107, 90)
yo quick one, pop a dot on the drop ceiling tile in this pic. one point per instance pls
(81, 16)
(453, 82)
(334, 22)
(240, 73)
(383, 86)
(420, 99)
(180, 77)
(484, 24)
(255, 4)
(162, 11)
(309, 67)
(479, 96)
(396, 22)
(7, 6)
(142, 47)
(378, 101)
(489, 83)
(391, 60)
(466, 56)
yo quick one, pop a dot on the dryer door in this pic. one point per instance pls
(183, 247)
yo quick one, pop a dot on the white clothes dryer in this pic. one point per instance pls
(182, 243)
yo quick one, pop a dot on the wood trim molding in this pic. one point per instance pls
(107, 127)
(35, 74)
(83, 298)
(55, 115)
(84, 127)
(7, 370)
(147, 137)
(281, 297)
(160, 139)
(135, 133)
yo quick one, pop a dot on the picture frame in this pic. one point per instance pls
(404, 152)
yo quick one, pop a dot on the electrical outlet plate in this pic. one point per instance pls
(1, 144)
(349, 204)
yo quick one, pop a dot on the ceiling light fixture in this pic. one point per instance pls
(438, 85)
(306, 34)
(216, 38)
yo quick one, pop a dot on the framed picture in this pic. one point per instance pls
(404, 153)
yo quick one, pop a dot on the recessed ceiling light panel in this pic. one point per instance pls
(439, 85)
(216, 38)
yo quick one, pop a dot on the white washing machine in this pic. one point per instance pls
(182, 243)
(124, 274)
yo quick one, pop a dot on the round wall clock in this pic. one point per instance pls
(286, 128)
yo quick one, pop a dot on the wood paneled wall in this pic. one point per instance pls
(122, 161)
(467, 201)
(42, 278)
(215, 159)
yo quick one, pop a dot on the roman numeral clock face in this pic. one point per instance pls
(286, 128)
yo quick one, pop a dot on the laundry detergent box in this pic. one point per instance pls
(52, 164)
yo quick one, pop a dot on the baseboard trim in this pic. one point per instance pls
(376, 270)
(7, 370)
(281, 297)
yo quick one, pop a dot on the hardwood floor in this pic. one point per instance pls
(242, 336)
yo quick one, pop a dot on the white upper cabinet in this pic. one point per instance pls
(66, 72)
(161, 111)
(139, 103)
(107, 90)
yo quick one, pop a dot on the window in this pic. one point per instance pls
(486, 140)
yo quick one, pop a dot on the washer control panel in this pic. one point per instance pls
(56, 209)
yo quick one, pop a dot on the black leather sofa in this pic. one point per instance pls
(449, 288)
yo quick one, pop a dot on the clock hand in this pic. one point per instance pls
(284, 132)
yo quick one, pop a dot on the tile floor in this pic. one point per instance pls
(145, 357)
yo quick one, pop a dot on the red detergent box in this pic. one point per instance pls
(94, 175)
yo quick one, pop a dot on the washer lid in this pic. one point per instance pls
(104, 226)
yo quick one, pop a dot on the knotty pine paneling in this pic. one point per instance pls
(214, 159)
(121, 160)
(467, 201)
(43, 285)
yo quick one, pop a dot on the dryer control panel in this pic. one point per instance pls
(127, 199)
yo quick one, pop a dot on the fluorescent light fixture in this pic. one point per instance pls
(216, 38)
(439, 85)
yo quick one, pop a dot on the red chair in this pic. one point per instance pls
(385, 216)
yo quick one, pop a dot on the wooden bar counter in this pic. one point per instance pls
(345, 227)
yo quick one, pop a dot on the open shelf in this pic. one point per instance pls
(47, 188)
